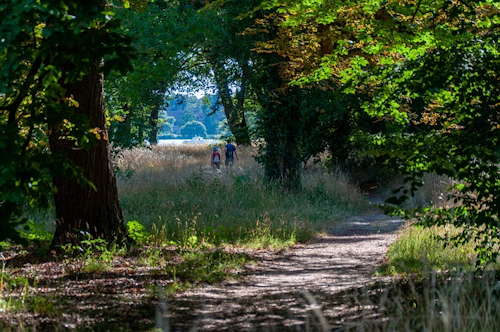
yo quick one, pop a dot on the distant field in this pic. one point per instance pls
(179, 141)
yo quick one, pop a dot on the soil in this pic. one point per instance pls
(310, 287)
(315, 286)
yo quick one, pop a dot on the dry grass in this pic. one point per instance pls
(174, 165)
(174, 189)
(434, 191)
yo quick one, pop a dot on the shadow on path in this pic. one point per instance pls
(304, 289)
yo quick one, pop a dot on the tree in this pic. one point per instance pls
(171, 39)
(167, 125)
(52, 120)
(455, 132)
(193, 128)
(219, 57)
(259, 72)
(134, 100)
(428, 70)
(233, 105)
(328, 124)
(213, 115)
(95, 207)
(280, 125)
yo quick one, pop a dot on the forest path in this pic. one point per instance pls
(303, 289)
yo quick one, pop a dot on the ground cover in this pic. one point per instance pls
(317, 261)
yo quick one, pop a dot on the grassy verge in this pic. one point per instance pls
(437, 287)
(422, 251)
(458, 301)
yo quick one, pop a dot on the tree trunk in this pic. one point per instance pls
(82, 207)
(282, 157)
(235, 114)
(153, 122)
(281, 128)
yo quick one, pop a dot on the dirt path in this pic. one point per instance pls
(317, 286)
(303, 289)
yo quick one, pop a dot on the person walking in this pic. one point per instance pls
(215, 160)
(230, 152)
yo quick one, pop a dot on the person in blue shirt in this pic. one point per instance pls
(230, 151)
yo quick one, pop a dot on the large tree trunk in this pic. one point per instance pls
(82, 207)
(282, 155)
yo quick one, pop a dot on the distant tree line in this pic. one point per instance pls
(188, 116)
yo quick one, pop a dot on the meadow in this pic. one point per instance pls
(175, 193)
(434, 285)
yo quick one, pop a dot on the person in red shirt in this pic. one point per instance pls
(215, 161)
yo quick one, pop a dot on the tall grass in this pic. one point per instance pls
(434, 191)
(425, 250)
(459, 301)
(438, 286)
(175, 192)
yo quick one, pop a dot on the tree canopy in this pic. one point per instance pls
(429, 68)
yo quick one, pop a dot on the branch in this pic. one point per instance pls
(23, 91)
(416, 10)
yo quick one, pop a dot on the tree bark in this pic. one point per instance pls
(82, 207)
(153, 122)
(281, 129)
(282, 156)
(235, 114)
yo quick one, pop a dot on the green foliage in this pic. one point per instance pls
(86, 247)
(36, 233)
(205, 266)
(8, 282)
(167, 125)
(25, 300)
(39, 41)
(137, 232)
(91, 254)
(153, 257)
(167, 38)
(455, 134)
(193, 128)
(280, 126)
(429, 71)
